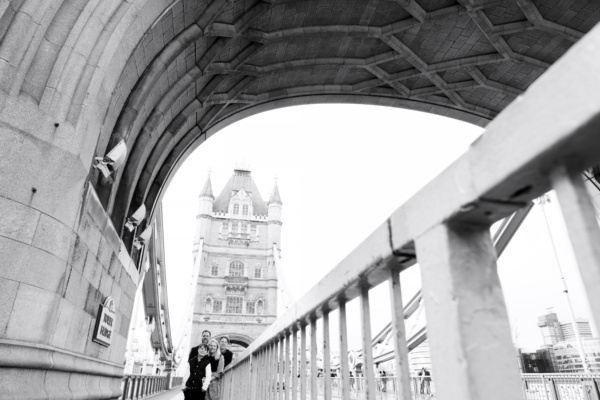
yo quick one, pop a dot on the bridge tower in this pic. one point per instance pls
(236, 236)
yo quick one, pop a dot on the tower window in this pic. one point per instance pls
(245, 209)
(236, 268)
(234, 227)
(250, 307)
(214, 270)
(236, 209)
(208, 305)
(217, 307)
(258, 272)
(234, 305)
(253, 230)
(244, 228)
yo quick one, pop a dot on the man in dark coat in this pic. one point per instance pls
(205, 339)
(227, 354)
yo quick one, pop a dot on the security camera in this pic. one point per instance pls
(111, 161)
(135, 219)
(143, 238)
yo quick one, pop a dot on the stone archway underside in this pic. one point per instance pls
(163, 75)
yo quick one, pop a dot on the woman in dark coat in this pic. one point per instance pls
(200, 375)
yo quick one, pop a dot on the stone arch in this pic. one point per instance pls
(388, 71)
(78, 76)
(238, 338)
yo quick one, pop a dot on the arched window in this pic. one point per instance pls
(244, 228)
(260, 307)
(208, 305)
(245, 209)
(234, 227)
(258, 272)
(214, 270)
(236, 209)
(236, 268)
(218, 307)
(234, 305)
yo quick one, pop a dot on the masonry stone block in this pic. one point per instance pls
(124, 278)
(104, 253)
(116, 293)
(79, 254)
(77, 386)
(94, 299)
(106, 284)
(19, 383)
(35, 81)
(79, 331)
(66, 314)
(32, 266)
(53, 237)
(33, 314)
(77, 289)
(115, 267)
(89, 233)
(17, 221)
(8, 293)
(117, 350)
(56, 385)
(124, 325)
(112, 237)
(92, 271)
(93, 349)
(35, 171)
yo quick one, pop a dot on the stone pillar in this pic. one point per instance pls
(467, 322)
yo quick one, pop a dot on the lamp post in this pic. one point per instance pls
(543, 200)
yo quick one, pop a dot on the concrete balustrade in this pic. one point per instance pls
(542, 141)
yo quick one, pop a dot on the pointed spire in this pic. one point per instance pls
(207, 190)
(275, 198)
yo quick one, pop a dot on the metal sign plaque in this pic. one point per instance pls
(105, 322)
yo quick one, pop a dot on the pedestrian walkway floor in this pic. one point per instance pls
(173, 394)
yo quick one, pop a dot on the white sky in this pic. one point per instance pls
(342, 170)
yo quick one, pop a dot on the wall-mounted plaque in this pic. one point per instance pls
(105, 322)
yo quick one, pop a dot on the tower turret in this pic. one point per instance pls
(205, 209)
(274, 217)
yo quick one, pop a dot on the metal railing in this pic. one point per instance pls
(541, 141)
(387, 387)
(561, 386)
(140, 386)
(176, 381)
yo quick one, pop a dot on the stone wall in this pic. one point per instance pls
(61, 257)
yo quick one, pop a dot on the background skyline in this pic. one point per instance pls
(342, 170)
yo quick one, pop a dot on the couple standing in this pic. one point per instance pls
(207, 362)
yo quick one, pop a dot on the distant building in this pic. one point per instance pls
(554, 331)
(541, 362)
(237, 242)
(568, 359)
(582, 324)
(551, 329)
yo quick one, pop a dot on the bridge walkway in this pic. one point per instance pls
(172, 394)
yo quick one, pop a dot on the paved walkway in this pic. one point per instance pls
(177, 394)
(173, 394)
